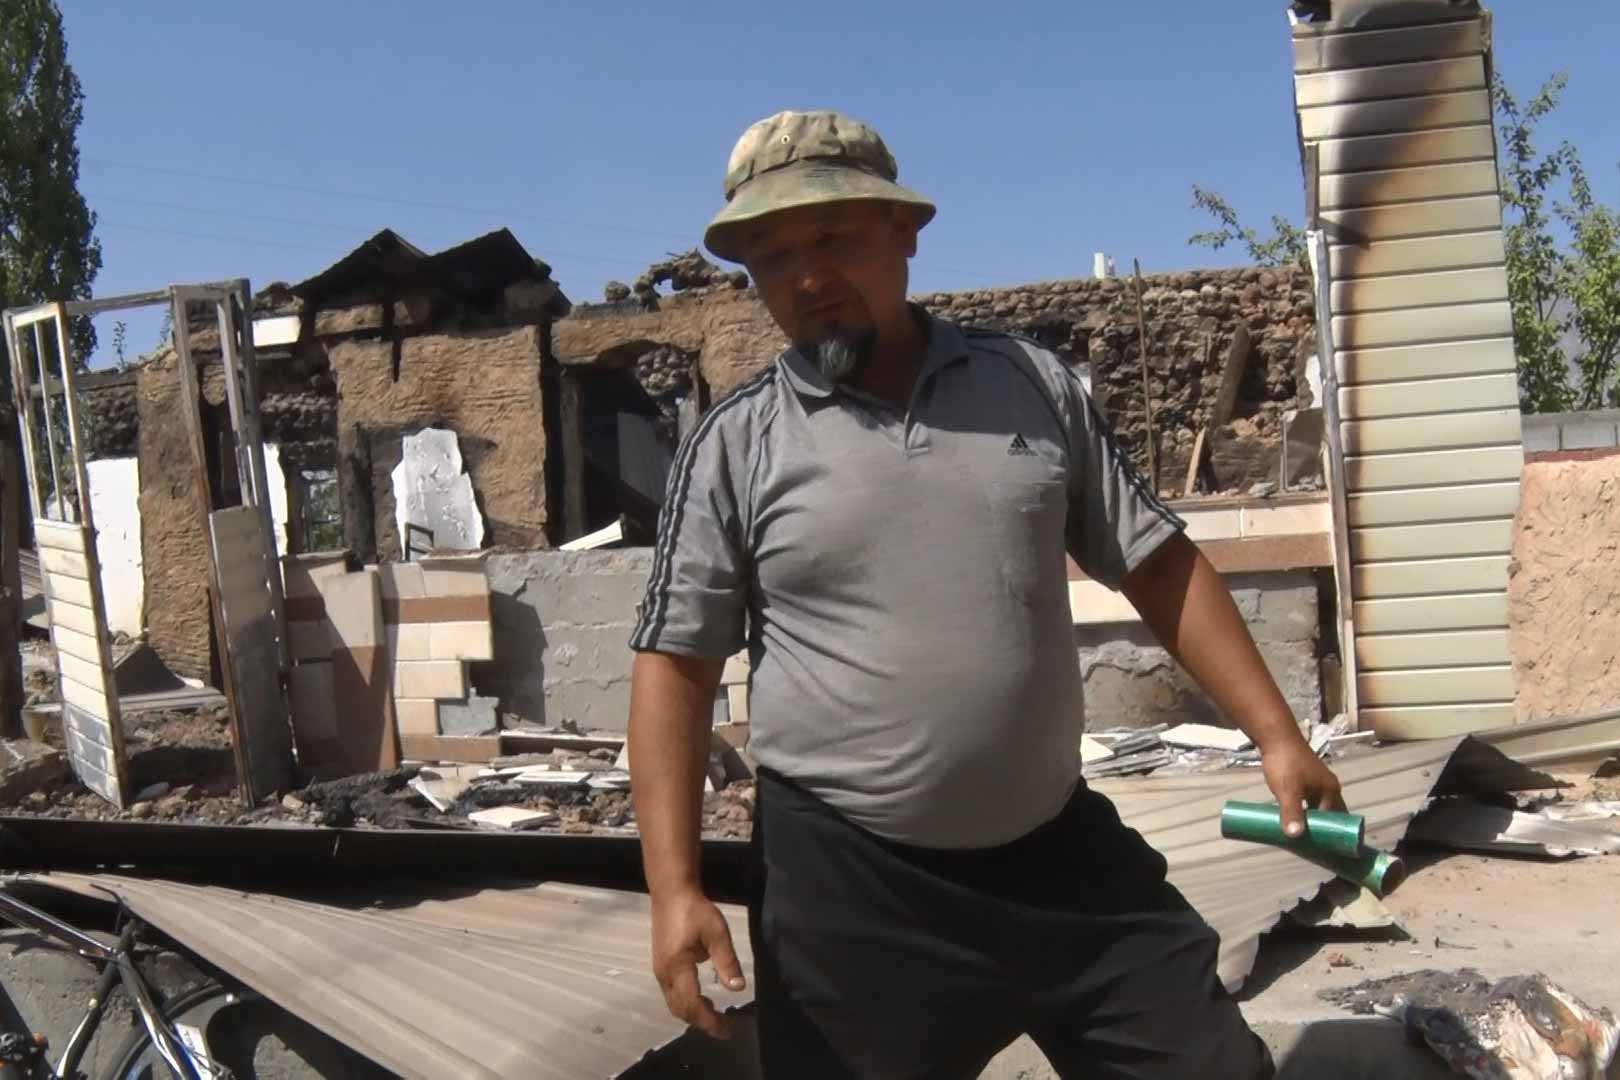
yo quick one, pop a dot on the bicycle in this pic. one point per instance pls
(173, 1033)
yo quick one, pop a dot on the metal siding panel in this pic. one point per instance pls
(1416, 325)
(69, 590)
(1496, 391)
(1453, 538)
(1389, 80)
(1474, 611)
(1436, 686)
(1430, 577)
(1492, 427)
(1436, 721)
(92, 701)
(61, 537)
(1386, 471)
(1405, 149)
(1382, 652)
(1425, 253)
(1398, 221)
(1468, 501)
(65, 563)
(72, 616)
(1330, 50)
(1395, 114)
(1383, 186)
(84, 646)
(85, 672)
(1420, 290)
(1431, 361)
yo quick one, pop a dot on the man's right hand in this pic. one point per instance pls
(688, 929)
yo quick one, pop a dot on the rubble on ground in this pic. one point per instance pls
(1523, 1027)
(573, 791)
(1191, 748)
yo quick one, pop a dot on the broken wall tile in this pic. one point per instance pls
(354, 608)
(401, 580)
(440, 679)
(466, 749)
(410, 641)
(416, 716)
(455, 576)
(462, 640)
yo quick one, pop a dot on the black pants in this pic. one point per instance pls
(878, 960)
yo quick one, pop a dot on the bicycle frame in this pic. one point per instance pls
(117, 966)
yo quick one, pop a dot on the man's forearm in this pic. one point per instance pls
(1187, 606)
(671, 712)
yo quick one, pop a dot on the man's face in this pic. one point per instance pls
(832, 276)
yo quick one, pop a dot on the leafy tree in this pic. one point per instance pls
(1285, 244)
(1563, 259)
(48, 249)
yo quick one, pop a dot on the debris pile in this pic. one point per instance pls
(1523, 1027)
(1191, 748)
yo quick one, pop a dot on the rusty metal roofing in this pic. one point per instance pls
(538, 981)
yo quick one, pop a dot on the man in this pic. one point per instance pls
(881, 518)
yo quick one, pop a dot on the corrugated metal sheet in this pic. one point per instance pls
(545, 981)
(1398, 121)
(553, 980)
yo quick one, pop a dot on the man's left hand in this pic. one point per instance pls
(1297, 777)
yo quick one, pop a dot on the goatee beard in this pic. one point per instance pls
(840, 358)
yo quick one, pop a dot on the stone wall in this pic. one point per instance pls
(1191, 318)
(562, 623)
(1131, 681)
(1564, 588)
(484, 385)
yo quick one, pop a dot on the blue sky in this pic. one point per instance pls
(228, 140)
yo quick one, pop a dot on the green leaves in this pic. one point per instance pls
(48, 249)
(1285, 244)
(1565, 295)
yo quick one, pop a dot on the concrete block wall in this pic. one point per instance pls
(562, 622)
(1597, 429)
(1131, 681)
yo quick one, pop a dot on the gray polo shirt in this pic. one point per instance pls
(899, 580)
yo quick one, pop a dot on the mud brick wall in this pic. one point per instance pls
(174, 535)
(1563, 601)
(485, 386)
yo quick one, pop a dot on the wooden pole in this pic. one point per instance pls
(1147, 391)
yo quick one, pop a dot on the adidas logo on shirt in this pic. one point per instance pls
(1019, 447)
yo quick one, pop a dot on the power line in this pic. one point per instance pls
(978, 275)
(371, 197)
(549, 253)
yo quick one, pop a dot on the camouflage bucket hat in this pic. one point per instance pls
(804, 159)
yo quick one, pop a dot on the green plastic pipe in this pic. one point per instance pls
(1328, 832)
(1333, 840)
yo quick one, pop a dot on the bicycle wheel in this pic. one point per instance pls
(235, 1034)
